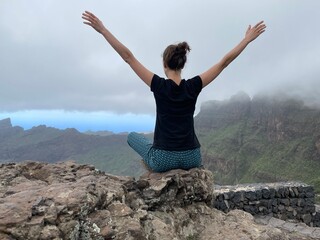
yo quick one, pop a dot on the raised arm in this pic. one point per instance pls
(122, 50)
(251, 34)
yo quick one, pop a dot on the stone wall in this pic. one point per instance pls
(284, 200)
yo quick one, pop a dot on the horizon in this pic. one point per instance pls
(108, 121)
(81, 121)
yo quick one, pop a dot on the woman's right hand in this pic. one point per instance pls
(93, 21)
(253, 33)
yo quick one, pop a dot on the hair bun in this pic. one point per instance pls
(175, 55)
(182, 48)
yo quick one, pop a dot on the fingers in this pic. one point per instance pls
(90, 19)
(93, 21)
(88, 23)
(88, 16)
(259, 27)
(259, 23)
(255, 31)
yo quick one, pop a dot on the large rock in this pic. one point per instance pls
(176, 188)
(43, 201)
(71, 201)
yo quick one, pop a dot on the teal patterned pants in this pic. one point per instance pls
(162, 160)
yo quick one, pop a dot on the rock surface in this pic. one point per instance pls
(70, 201)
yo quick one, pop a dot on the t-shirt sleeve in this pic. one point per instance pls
(195, 84)
(155, 83)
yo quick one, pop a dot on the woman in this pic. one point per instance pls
(175, 143)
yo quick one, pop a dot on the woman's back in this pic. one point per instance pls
(175, 104)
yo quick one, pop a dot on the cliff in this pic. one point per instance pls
(70, 201)
(263, 139)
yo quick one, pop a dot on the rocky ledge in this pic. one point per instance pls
(70, 201)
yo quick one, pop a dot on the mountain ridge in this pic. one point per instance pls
(48, 144)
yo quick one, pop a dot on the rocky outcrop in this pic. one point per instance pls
(70, 201)
(5, 123)
(6, 131)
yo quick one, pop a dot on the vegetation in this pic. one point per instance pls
(118, 160)
(264, 140)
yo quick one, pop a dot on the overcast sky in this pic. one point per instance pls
(51, 62)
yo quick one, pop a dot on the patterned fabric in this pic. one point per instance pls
(162, 160)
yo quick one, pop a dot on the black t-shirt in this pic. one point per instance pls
(174, 128)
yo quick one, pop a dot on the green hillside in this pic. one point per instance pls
(265, 139)
(117, 160)
(107, 152)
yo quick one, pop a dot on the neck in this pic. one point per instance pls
(174, 75)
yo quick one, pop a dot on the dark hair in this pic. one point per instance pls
(175, 55)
